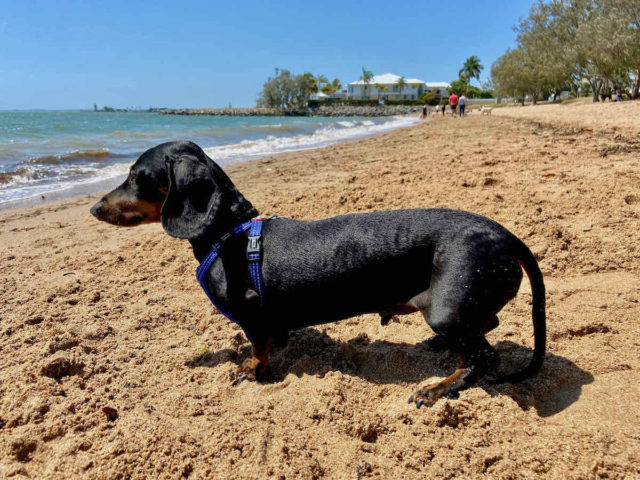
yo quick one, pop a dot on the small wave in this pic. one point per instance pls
(22, 175)
(246, 149)
(24, 187)
(133, 134)
(101, 153)
(347, 124)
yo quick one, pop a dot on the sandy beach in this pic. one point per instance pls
(97, 319)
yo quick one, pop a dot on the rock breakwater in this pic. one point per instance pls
(322, 111)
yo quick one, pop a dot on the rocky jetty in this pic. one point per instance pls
(322, 111)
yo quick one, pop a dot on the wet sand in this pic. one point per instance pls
(93, 317)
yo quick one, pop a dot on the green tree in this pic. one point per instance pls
(509, 75)
(321, 81)
(629, 11)
(380, 87)
(593, 40)
(312, 83)
(429, 98)
(457, 86)
(332, 87)
(367, 78)
(285, 90)
(402, 84)
(470, 69)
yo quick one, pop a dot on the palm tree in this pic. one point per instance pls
(471, 69)
(321, 81)
(367, 76)
(334, 86)
(402, 84)
(310, 80)
(381, 87)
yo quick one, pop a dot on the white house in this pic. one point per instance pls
(318, 96)
(360, 91)
(439, 89)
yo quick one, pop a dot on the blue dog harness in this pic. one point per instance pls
(254, 257)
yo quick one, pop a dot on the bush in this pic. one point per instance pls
(342, 102)
(404, 102)
(429, 98)
(459, 86)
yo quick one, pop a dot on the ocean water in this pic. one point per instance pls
(55, 153)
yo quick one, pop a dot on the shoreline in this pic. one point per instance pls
(280, 145)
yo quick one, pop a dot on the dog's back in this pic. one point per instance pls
(367, 261)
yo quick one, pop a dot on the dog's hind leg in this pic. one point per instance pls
(459, 318)
(478, 358)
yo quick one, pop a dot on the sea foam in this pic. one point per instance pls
(339, 132)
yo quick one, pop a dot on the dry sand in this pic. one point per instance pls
(95, 317)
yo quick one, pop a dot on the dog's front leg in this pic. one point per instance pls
(254, 368)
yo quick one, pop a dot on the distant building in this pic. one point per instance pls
(414, 89)
(341, 94)
(318, 96)
(359, 91)
(439, 89)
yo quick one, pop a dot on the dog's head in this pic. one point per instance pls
(177, 184)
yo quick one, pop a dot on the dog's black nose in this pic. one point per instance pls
(96, 210)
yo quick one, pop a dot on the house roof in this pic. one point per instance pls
(387, 79)
(438, 84)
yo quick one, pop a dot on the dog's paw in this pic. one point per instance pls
(428, 395)
(449, 387)
(252, 369)
(236, 378)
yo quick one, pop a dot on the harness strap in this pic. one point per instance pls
(254, 256)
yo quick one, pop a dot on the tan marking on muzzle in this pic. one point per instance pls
(125, 210)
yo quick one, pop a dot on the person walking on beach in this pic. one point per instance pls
(453, 103)
(444, 108)
(424, 112)
(463, 103)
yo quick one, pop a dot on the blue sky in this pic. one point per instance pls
(70, 54)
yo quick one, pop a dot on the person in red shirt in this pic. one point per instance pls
(453, 103)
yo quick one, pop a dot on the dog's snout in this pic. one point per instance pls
(96, 210)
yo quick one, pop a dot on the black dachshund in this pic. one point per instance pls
(457, 268)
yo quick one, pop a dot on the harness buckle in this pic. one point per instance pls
(253, 249)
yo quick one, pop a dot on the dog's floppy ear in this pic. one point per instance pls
(193, 197)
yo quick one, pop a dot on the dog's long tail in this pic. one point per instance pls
(530, 265)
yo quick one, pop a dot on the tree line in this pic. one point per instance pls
(579, 45)
(286, 90)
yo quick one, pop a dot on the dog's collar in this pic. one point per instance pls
(254, 257)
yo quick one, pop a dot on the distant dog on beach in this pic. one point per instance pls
(485, 110)
(458, 268)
